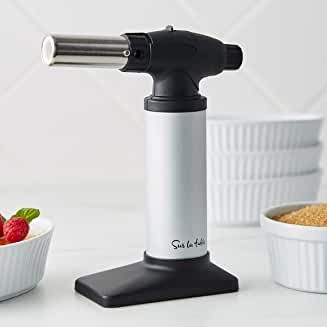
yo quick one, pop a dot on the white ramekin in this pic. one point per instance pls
(240, 203)
(262, 133)
(22, 264)
(233, 166)
(298, 254)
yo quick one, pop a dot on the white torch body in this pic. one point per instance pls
(176, 184)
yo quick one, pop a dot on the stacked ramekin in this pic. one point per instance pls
(256, 163)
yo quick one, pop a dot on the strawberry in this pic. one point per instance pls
(15, 229)
(2, 220)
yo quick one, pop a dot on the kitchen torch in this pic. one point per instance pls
(176, 261)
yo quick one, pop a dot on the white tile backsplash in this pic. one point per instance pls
(283, 44)
(85, 127)
(19, 41)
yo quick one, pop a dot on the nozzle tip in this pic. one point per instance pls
(234, 57)
(48, 50)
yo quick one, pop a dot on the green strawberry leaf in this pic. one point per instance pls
(2, 218)
(28, 213)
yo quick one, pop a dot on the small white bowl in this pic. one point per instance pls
(262, 133)
(23, 263)
(298, 254)
(241, 203)
(236, 166)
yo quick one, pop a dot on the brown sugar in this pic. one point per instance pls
(313, 215)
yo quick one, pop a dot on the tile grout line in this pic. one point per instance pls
(190, 11)
(32, 66)
(315, 100)
(19, 79)
(251, 76)
(100, 85)
(245, 16)
(28, 16)
(259, 84)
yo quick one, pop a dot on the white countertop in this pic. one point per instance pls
(87, 240)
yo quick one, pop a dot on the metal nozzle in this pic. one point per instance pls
(109, 52)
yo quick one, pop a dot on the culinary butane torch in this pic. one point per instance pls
(176, 260)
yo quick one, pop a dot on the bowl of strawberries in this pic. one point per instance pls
(24, 245)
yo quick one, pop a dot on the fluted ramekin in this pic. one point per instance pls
(298, 254)
(262, 133)
(233, 166)
(240, 203)
(23, 263)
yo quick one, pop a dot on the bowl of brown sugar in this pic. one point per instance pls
(297, 245)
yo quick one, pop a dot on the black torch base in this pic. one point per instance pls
(153, 280)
